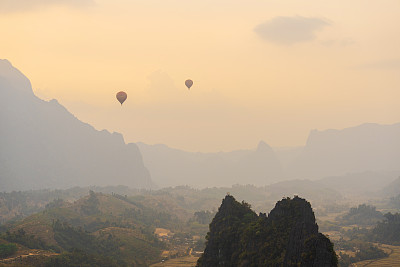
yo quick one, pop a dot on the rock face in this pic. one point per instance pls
(288, 236)
(42, 145)
(224, 239)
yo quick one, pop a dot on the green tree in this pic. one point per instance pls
(7, 250)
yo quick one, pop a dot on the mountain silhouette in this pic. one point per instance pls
(172, 167)
(288, 236)
(367, 147)
(42, 145)
(368, 152)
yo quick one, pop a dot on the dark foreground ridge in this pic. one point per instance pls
(288, 236)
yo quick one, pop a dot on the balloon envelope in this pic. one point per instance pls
(121, 96)
(188, 83)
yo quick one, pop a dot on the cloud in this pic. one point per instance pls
(290, 30)
(14, 6)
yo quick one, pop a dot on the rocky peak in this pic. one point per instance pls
(263, 147)
(288, 236)
(12, 78)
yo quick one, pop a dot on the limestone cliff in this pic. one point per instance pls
(288, 236)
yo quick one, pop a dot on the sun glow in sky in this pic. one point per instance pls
(262, 69)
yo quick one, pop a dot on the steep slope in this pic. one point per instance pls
(224, 239)
(172, 167)
(367, 147)
(42, 145)
(288, 236)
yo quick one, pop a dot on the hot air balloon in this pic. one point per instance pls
(121, 96)
(188, 83)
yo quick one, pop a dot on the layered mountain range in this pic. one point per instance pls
(366, 152)
(42, 145)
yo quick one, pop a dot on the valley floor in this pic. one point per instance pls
(188, 261)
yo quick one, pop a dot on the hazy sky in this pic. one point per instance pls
(267, 70)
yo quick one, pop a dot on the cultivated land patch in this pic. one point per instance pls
(162, 232)
(188, 261)
(392, 260)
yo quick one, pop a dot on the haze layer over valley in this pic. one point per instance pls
(127, 204)
(369, 150)
(45, 146)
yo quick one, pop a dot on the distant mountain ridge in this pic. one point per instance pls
(171, 167)
(368, 150)
(362, 183)
(42, 145)
(367, 147)
(392, 189)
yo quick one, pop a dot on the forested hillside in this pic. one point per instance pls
(288, 236)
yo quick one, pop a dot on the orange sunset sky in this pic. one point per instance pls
(262, 69)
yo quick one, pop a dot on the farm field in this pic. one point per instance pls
(188, 261)
(392, 260)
